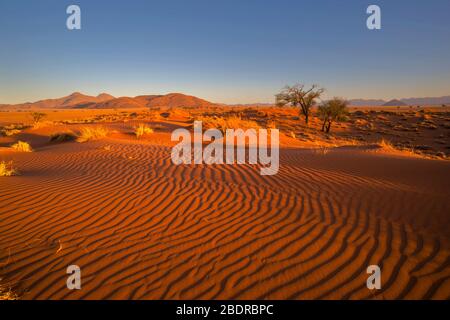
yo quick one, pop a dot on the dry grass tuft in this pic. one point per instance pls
(7, 169)
(9, 133)
(141, 130)
(227, 123)
(11, 129)
(386, 145)
(43, 124)
(22, 146)
(63, 136)
(6, 293)
(92, 133)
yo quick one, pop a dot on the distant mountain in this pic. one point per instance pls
(105, 97)
(366, 102)
(72, 100)
(427, 101)
(78, 100)
(178, 100)
(404, 101)
(394, 102)
(105, 101)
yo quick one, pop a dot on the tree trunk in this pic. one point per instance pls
(323, 125)
(305, 113)
(329, 127)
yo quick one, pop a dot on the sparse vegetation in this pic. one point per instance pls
(92, 133)
(6, 293)
(42, 124)
(63, 136)
(12, 129)
(141, 130)
(22, 146)
(9, 133)
(223, 124)
(386, 145)
(7, 170)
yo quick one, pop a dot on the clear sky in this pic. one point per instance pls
(232, 51)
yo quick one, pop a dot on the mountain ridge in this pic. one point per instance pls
(394, 102)
(406, 101)
(78, 100)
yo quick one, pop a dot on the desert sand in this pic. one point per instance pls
(142, 228)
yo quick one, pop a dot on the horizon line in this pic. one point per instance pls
(211, 101)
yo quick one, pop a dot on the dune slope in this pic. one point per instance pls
(140, 227)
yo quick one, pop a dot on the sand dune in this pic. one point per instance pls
(142, 228)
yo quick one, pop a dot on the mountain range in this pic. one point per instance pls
(405, 101)
(78, 100)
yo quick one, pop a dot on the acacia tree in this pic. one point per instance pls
(297, 95)
(332, 110)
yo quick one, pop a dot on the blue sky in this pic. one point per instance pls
(233, 51)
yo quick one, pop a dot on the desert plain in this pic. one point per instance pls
(373, 191)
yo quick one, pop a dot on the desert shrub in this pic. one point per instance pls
(7, 169)
(92, 133)
(387, 146)
(22, 146)
(15, 126)
(142, 129)
(63, 136)
(37, 117)
(42, 124)
(12, 129)
(9, 132)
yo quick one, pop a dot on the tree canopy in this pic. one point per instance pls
(298, 95)
(332, 110)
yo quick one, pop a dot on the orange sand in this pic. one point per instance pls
(142, 228)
